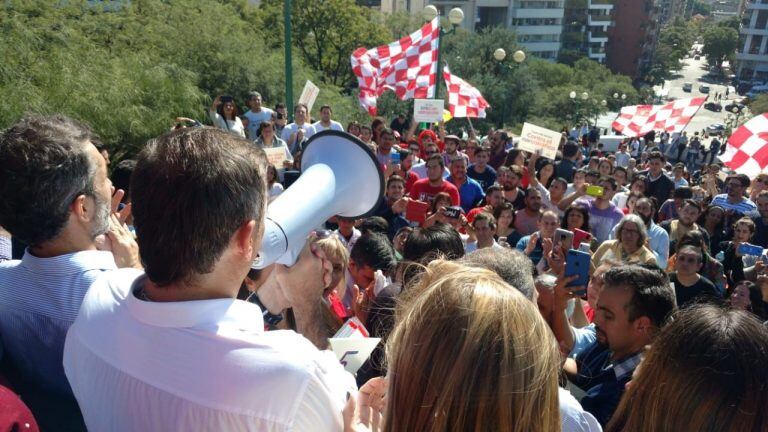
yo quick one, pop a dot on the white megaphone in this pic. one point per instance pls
(339, 176)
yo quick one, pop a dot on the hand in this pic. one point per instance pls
(532, 243)
(119, 240)
(303, 283)
(217, 101)
(287, 164)
(269, 291)
(563, 292)
(582, 190)
(365, 412)
(556, 260)
(300, 135)
(361, 301)
(400, 205)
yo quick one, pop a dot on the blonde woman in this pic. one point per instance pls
(468, 353)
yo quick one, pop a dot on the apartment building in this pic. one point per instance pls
(538, 23)
(752, 56)
(633, 37)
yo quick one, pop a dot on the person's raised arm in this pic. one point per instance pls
(560, 325)
(568, 200)
(532, 180)
(410, 132)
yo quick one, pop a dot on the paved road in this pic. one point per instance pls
(692, 71)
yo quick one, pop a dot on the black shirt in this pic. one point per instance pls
(702, 290)
(485, 178)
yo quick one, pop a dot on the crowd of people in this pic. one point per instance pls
(129, 299)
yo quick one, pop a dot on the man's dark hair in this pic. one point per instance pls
(326, 106)
(570, 150)
(436, 157)
(482, 149)
(531, 190)
(425, 244)
(374, 224)
(514, 267)
(300, 105)
(657, 155)
(121, 177)
(404, 153)
(741, 178)
(622, 169)
(652, 295)
(394, 178)
(386, 131)
(375, 251)
(192, 190)
(692, 203)
(45, 166)
(279, 105)
(683, 192)
(610, 180)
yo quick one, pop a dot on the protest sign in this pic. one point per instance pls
(428, 110)
(309, 94)
(535, 138)
(275, 156)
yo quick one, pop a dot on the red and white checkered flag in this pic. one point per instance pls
(463, 99)
(408, 67)
(747, 149)
(638, 120)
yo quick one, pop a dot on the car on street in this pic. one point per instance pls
(716, 129)
(734, 105)
(687, 87)
(704, 88)
(713, 106)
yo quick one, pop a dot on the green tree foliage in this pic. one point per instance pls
(326, 33)
(720, 43)
(699, 7)
(759, 104)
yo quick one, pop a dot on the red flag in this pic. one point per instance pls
(747, 148)
(463, 99)
(638, 120)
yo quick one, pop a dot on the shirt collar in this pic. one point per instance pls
(228, 312)
(626, 366)
(69, 263)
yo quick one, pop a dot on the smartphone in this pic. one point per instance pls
(394, 158)
(584, 247)
(580, 236)
(453, 212)
(750, 249)
(225, 99)
(577, 263)
(595, 191)
(564, 238)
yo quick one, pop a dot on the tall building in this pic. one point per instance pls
(752, 56)
(670, 9)
(634, 37)
(538, 23)
(599, 21)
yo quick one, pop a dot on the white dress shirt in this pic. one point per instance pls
(195, 365)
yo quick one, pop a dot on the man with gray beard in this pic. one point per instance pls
(56, 200)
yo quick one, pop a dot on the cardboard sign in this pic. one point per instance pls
(352, 352)
(428, 110)
(535, 138)
(275, 156)
(309, 94)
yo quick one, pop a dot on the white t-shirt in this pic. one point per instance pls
(235, 127)
(194, 366)
(255, 119)
(622, 159)
(292, 128)
(334, 126)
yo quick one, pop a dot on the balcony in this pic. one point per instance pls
(538, 13)
(742, 56)
(756, 4)
(541, 46)
(599, 20)
(598, 37)
(538, 29)
(600, 4)
(754, 31)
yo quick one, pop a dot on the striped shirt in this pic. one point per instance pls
(744, 206)
(39, 300)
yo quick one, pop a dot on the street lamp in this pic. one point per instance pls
(455, 17)
(577, 101)
(500, 54)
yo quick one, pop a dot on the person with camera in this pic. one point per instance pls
(296, 133)
(171, 348)
(224, 115)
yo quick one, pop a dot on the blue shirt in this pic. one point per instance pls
(39, 301)
(485, 178)
(538, 250)
(470, 193)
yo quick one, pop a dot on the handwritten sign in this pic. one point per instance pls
(275, 156)
(428, 110)
(309, 94)
(353, 352)
(535, 138)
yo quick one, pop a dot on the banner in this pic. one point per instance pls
(308, 95)
(428, 110)
(535, 138)
(275, 156)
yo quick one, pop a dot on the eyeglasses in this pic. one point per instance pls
(688, 259)
(630, 231)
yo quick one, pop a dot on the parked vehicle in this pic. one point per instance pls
(713, 106)
(734, 105)
(687, 87)
(716, 129)
(704, 88)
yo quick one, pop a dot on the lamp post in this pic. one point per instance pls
(288, 60)
(518, 57)
(455, 17)
(577, 103)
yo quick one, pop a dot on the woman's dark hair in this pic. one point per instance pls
(696, 239)
(511, 156)
(425, 244)
(540, 168)
(235, 112)
(757, 306)
(506, 205)
(438, 197)
(581, 209)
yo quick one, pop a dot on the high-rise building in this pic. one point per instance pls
(538, 23)
(633, 38)
(752, 56)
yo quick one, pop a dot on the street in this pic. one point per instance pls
(692, 71)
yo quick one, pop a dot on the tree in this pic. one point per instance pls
(720, 44)
(326, 33)
(759, 104)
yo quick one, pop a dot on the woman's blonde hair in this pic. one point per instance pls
(338, 255)
(470, 352)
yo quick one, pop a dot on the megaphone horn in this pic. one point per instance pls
(340, 175)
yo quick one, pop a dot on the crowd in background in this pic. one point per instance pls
(128, 300)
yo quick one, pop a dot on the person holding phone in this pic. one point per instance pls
(629, 246)
(733, 262)
(224, 115)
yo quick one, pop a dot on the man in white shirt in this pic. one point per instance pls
(294, 134)
(622, 156)
(256, 114)
(325, 122)
(56, 200)
(172, 348)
